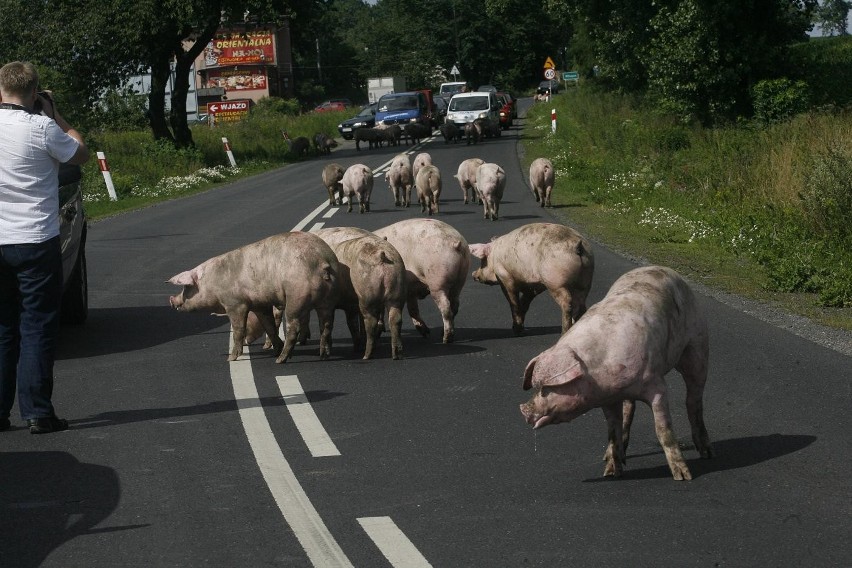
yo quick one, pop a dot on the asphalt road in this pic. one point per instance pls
(177, 458)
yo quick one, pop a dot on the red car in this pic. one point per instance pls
(333, 104)
(508, 112)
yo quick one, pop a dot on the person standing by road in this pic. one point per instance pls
(31, 148)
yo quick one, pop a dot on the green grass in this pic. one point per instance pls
(727, 207)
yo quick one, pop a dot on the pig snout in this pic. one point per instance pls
(533, 415)
(176, 301)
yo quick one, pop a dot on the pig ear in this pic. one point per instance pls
(570, 368)
(480, 250)
(186, 278)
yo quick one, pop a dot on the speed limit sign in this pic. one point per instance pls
(549, 74)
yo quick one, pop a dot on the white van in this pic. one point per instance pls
(467, 107)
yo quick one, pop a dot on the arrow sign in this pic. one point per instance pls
(549, 64)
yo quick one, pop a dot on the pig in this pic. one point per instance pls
(490, 184)
(541, 180)
(331, 176)
(371, 135)
(467, 178)
(450, 132)
(372, 280)
(298, 147)
(488, 127)
(436, 261)
(416, 132)
(400, 180)
(473, 132)
(358, 180)
(534, 258)
(323, 144)
(619, 352)
(428, 185)
(420, 160)
(390, 134)
(296, 272)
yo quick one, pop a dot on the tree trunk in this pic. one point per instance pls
(160, 71)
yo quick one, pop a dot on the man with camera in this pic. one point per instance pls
(31, 149)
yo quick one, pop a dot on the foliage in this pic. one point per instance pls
(832, 16)
(779, 99)
(119, 110)
(826, 65)
(778, 196)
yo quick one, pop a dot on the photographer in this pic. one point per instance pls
(31, 149)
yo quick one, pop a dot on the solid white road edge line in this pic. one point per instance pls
(299, 513)
(317, 439)
(393, 543)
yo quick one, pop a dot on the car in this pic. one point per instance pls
(551, 85)
(333, 104)
(487, 89)
(73, 228)
(367, 117)
(506, 110)
(467, 107)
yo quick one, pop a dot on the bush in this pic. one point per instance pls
(827, 193)
(120, 110)
(775, 100)
(275, 106)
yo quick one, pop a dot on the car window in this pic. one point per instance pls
(404, 102)
(469, 103)
(367, 111)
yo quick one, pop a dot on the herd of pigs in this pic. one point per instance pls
(610, 355)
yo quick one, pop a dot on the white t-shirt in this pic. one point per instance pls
(31, 148)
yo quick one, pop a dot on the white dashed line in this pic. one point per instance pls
(393, 543)
(317, 439)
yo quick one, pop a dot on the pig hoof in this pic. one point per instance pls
(681, 473)
(518, 329)
(424, 331)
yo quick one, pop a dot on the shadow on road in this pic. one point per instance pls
(118, 330)
(49, 498)
(734, 453)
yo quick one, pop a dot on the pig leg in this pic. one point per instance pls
(663, 425)
(293, 327)
(371, 332)
(326, 323)
(330, 196)
(238, 316)
(519, 307)
(353, 322)
(693, 367)
(629, 411)
(445, 306)
(414, 313)
(395, 323)
(267, 320)
(566, 304)
(614, 457)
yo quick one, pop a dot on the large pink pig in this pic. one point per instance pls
(619, 352)
(358, 181)
(467, 178)
(490, 184)
(296, 271)
(428, 183)
(534, 258)
(436, 261)
(372, 280)
(400, 179)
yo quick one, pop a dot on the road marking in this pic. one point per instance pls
(316, 227)
(317, 439)
(311, 215)
(393, 543)
(330, 212)
(298, 511)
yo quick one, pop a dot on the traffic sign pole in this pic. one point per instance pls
(107, 176)
(553, 121)
(230, 154)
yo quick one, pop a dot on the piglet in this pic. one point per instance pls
(619, 352)
(534, 258)
(296, 272)
(331, 176)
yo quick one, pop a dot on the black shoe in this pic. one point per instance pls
(4, 424)
(47, 425)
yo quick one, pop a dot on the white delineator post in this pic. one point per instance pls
(228, 151)
(107, 176)
(553, 120)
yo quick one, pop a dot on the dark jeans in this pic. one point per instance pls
(30, 299)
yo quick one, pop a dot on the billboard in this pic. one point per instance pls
(229, 111)
(240, 48)
(236, 79)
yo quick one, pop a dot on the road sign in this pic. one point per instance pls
(228, 111)
(549, 64)
(455, 70)
(571, 76)
(549, 74)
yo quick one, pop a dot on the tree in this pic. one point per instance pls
(833, 16)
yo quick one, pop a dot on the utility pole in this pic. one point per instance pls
(319, 68)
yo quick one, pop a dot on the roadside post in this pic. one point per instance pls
(553, 121)
(228, 151)
(107, 176)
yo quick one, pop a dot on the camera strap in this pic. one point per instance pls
(13, 106)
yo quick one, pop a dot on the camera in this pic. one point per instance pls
(37, 106)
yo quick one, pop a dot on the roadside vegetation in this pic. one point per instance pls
(759, 209)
